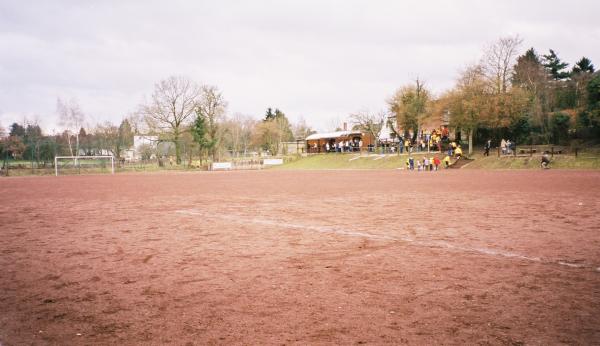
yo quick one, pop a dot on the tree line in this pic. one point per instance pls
(28, 142)
(530, 98)
(191, 118)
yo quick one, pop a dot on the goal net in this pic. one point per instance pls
(84, 164)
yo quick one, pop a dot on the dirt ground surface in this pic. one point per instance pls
(311, 257)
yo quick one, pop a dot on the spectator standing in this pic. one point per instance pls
(487, 147)
(436, 162)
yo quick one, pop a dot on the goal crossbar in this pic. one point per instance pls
(112, 160)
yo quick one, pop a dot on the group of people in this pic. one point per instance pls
(343, 146)
(454, 149)
(427, 164)
(507, 146)
(425, 141)
(434, 163)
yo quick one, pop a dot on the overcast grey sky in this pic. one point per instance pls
(319, 60)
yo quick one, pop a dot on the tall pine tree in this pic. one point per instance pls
(583, 65)
(555, 66)
(199, 132)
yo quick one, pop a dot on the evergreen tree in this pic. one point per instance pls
(532, 56)
(125, 134)
(591, 117)
(124, 137)
(31, 139)
(593, 89)
(17, 130)
(529, 72)
(583, 65)
(269, 115)
(275, 129)
(199, 132)
(555, 66)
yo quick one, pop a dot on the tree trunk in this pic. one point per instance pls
(70, 145)
(177, 146)
(471, 141)
(77, 148)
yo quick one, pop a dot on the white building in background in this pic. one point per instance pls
(133, 153)
(386, 135)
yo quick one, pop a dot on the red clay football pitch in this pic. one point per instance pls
(301, 257)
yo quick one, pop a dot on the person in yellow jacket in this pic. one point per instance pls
(446, 161)
(458, 152)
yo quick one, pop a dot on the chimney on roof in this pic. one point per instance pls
(345, 127)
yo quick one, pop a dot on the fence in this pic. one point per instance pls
(551, 149)
(19, 167)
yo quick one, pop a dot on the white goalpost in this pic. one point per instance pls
(77, 158)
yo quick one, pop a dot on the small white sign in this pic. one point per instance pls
(272, 162)
(221, 165)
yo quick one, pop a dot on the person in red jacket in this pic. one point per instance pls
(436, 162)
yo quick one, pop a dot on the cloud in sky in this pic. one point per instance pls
(319, 60)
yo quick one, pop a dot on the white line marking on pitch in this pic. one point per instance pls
(325, 229)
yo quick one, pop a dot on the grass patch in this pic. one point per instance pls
(394, 161)
(533, 162)
(353, 161)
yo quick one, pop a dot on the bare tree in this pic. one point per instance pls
(237, 132)
(370, 122)
(71, 117)
(334, 124)
(137, 123)
(147, 151)
(107, 138)
(211, 105)
(301, 130)
(498, 61)
(173, 105)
